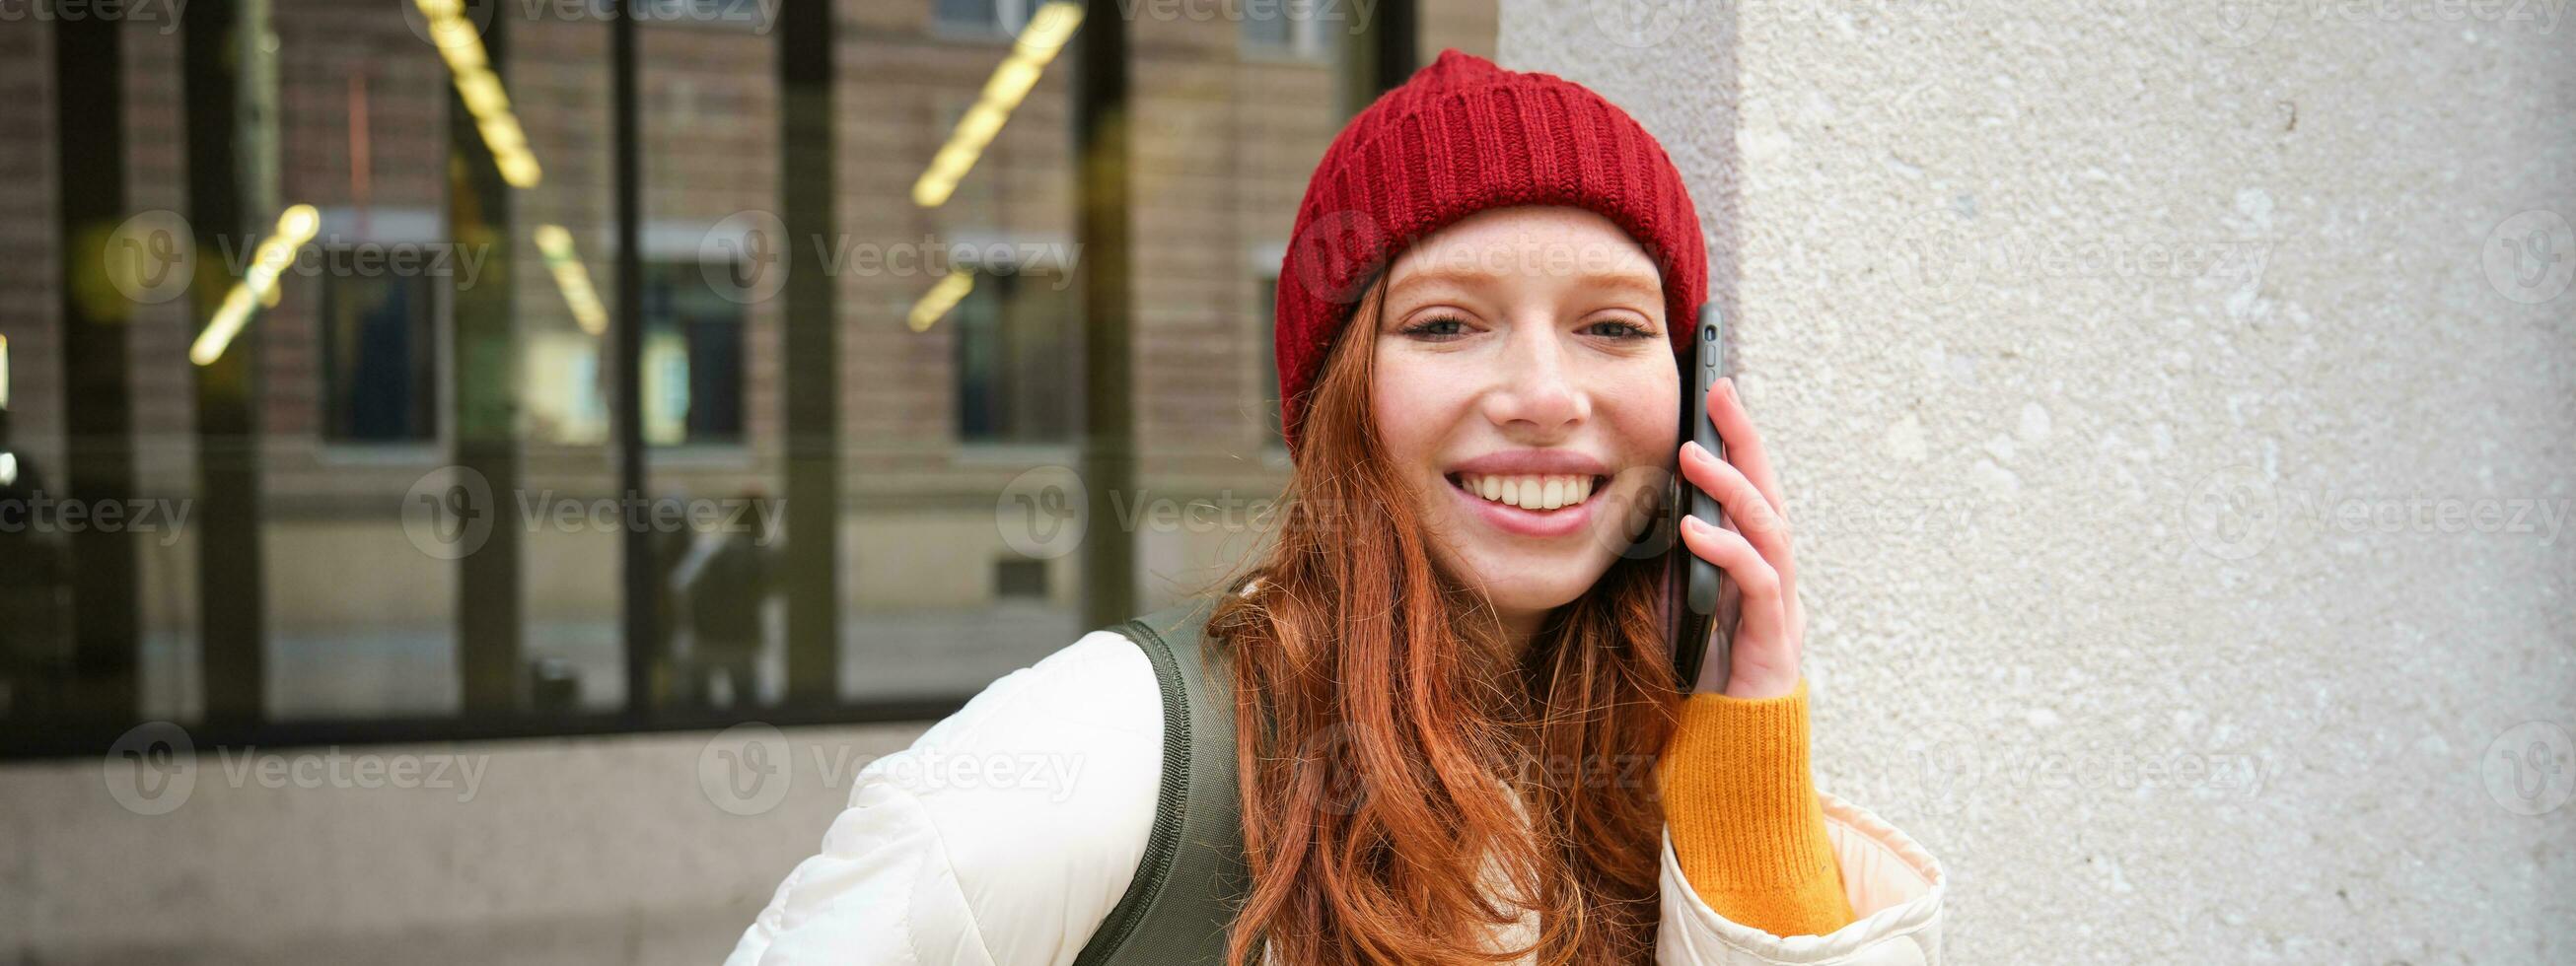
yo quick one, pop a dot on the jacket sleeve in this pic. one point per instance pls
(1761, 868)
(1001, 837)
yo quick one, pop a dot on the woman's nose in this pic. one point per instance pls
(1536, 391)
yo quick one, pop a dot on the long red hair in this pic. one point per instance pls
(1382, 718)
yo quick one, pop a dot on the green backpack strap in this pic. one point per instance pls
(1193, 878)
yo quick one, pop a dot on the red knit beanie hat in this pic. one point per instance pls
(1461, 136)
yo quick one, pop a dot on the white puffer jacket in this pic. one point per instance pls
(1006, 833)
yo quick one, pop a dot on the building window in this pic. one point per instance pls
(1298, 28)
(1014, 361)
(1266, 296)
(693, 358)
(379, 358)
(1019, 578)
(999, 18)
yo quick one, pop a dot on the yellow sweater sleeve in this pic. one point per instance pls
(1745, 821)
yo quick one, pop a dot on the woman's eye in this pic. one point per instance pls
(1437, 328)
(1618, 329)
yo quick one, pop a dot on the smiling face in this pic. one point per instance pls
(1524, 388)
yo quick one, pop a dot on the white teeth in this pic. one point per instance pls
(1532, 492)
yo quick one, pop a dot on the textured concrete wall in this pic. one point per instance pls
(2176, 401)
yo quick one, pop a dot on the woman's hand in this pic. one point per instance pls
(1752, 548)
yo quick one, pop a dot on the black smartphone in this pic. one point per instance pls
(1692, 584)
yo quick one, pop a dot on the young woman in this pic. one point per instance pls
(1457, 662)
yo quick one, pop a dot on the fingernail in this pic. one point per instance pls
(1695, 524)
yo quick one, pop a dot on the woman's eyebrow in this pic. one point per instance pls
(1647, 286)
(1468, 276)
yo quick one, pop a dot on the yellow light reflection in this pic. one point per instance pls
(258, 284)
(572, 278)
(1038, 44)
(480, 89)
(941, 297)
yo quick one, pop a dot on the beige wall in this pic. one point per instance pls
(2062, 521)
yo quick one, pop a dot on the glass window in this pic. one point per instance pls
(1265, 287)
(996, 17)
(1267, 25)
(1014, 361)
(821, 459)
(379, 358)
(693, 357)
